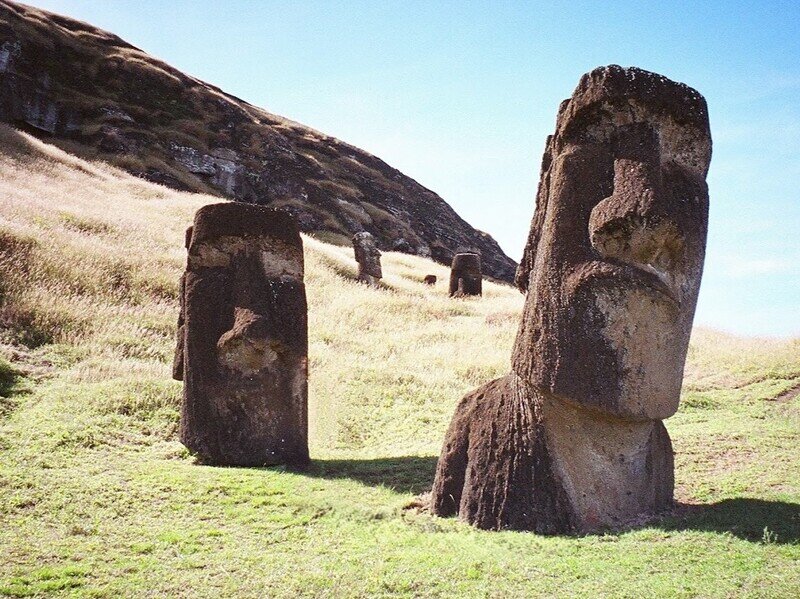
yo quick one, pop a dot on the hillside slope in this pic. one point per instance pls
(100, 97)
(99, 499)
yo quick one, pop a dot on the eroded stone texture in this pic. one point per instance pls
(465, 275)
(572, 439)
(243, 352)
(177, 361)
(368, 257)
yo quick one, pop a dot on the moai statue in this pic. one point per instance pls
(465, 275)
(572, 440)
(243, 338)
(429, 279)
(177, 361)
(368, 257)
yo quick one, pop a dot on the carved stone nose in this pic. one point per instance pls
(633, 224)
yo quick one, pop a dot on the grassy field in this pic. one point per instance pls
(98, 498)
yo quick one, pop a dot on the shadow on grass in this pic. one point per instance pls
(747, 518)
(409, 474)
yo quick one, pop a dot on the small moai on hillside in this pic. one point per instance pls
(572, 439)
(465, 275)
(242, 348)
(429, 280)
(368, 257)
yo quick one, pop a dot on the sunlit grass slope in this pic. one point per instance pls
(98, 498)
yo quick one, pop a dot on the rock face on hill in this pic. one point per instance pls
(99, 97)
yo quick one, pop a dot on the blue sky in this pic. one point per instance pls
(461, 95)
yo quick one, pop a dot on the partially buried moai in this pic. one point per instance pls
(465, 275)
(572, 440)
(368, 257)
(243, 338)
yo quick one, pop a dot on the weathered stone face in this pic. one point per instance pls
(615, 254)
(368, 257)
(245, 338)
(465, 275)
(572, 439)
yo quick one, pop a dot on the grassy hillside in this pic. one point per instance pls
(98, 498)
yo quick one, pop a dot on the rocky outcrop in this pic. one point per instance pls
(100, 97)
(572, 440)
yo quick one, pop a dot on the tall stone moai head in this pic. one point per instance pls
(615, 252)
(368, 257)
(465, 274)
(244, 343)
(572, 439)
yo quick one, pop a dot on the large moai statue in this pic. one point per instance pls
(465, 275)
(243, 338)
(572, 440)
(368, 257)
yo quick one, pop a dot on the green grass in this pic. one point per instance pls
(99, 499)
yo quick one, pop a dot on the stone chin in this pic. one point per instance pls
(640, 326)
(636, 337)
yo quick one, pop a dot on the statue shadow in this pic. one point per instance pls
(407, 474)
(748, 518)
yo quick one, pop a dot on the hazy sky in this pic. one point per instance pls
(461, 95)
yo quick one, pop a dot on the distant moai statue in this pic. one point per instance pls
(465, 275)
(243, 338)
(368, 257)
(429, 280)
(572, 439)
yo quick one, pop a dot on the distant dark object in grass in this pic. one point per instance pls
(368, 257)
(465, 275)
(429, 280)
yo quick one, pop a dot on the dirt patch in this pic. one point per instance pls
(789, 395)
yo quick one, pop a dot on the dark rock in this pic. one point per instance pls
(243, 353)
(573, 440)
(465, 275)
(429, 279)
(401, 245)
